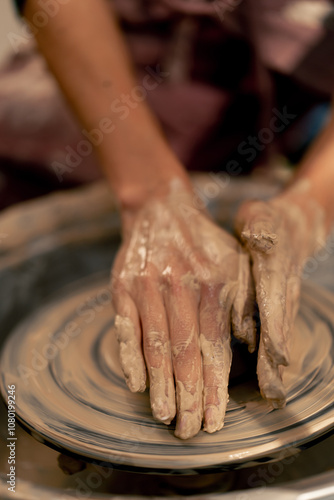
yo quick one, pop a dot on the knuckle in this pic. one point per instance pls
(143, 280)
(117, 289)
(144, 283)
(211, 290)
(146, 279)
(174, 284)
(183, 351)
(155, 342)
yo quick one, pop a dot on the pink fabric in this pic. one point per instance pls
(282, 43)
(36, 125)
(226, 51)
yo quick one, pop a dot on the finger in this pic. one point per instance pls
(157, 351)
(256, 226)
(269, 373)
(292, 304)
(271, 286)
(243, 323)
(216, 355)
(258, 223)
(272, 297)
(128, 333)
(182, 312)
(269, 376)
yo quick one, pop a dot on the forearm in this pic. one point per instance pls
(317, 169)
(86, 52)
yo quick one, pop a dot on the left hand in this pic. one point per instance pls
(179, 282)
(279, 234)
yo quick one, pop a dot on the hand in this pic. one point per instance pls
(179, 281)
(279, 235)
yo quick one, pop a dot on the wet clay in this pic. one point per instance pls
(70, 389)
(280, 235)
(182, 278)
(132, 364)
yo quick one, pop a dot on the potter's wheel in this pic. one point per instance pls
(70, 390)
(62, 246)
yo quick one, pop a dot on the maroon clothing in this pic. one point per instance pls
(225, 70)
(230, 63)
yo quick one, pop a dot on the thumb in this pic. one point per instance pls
(256, 226)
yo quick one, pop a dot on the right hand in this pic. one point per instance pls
(279, 234)
(178, 281)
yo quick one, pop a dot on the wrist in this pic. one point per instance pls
(133, 196)
(138, 162)
(311, 197)
(302, 196)
(145, 180)
(134, 200)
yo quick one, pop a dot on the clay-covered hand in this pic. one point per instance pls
(279, 234)
(178, 282)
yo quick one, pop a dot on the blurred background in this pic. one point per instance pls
(36, 129)
(296, 50)
(9, 21)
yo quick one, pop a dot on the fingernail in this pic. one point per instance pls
(214, 420)
(162, 412)
(274, 393)
(188, 425)
(135, 384)
(264, 242)
(277, 403)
